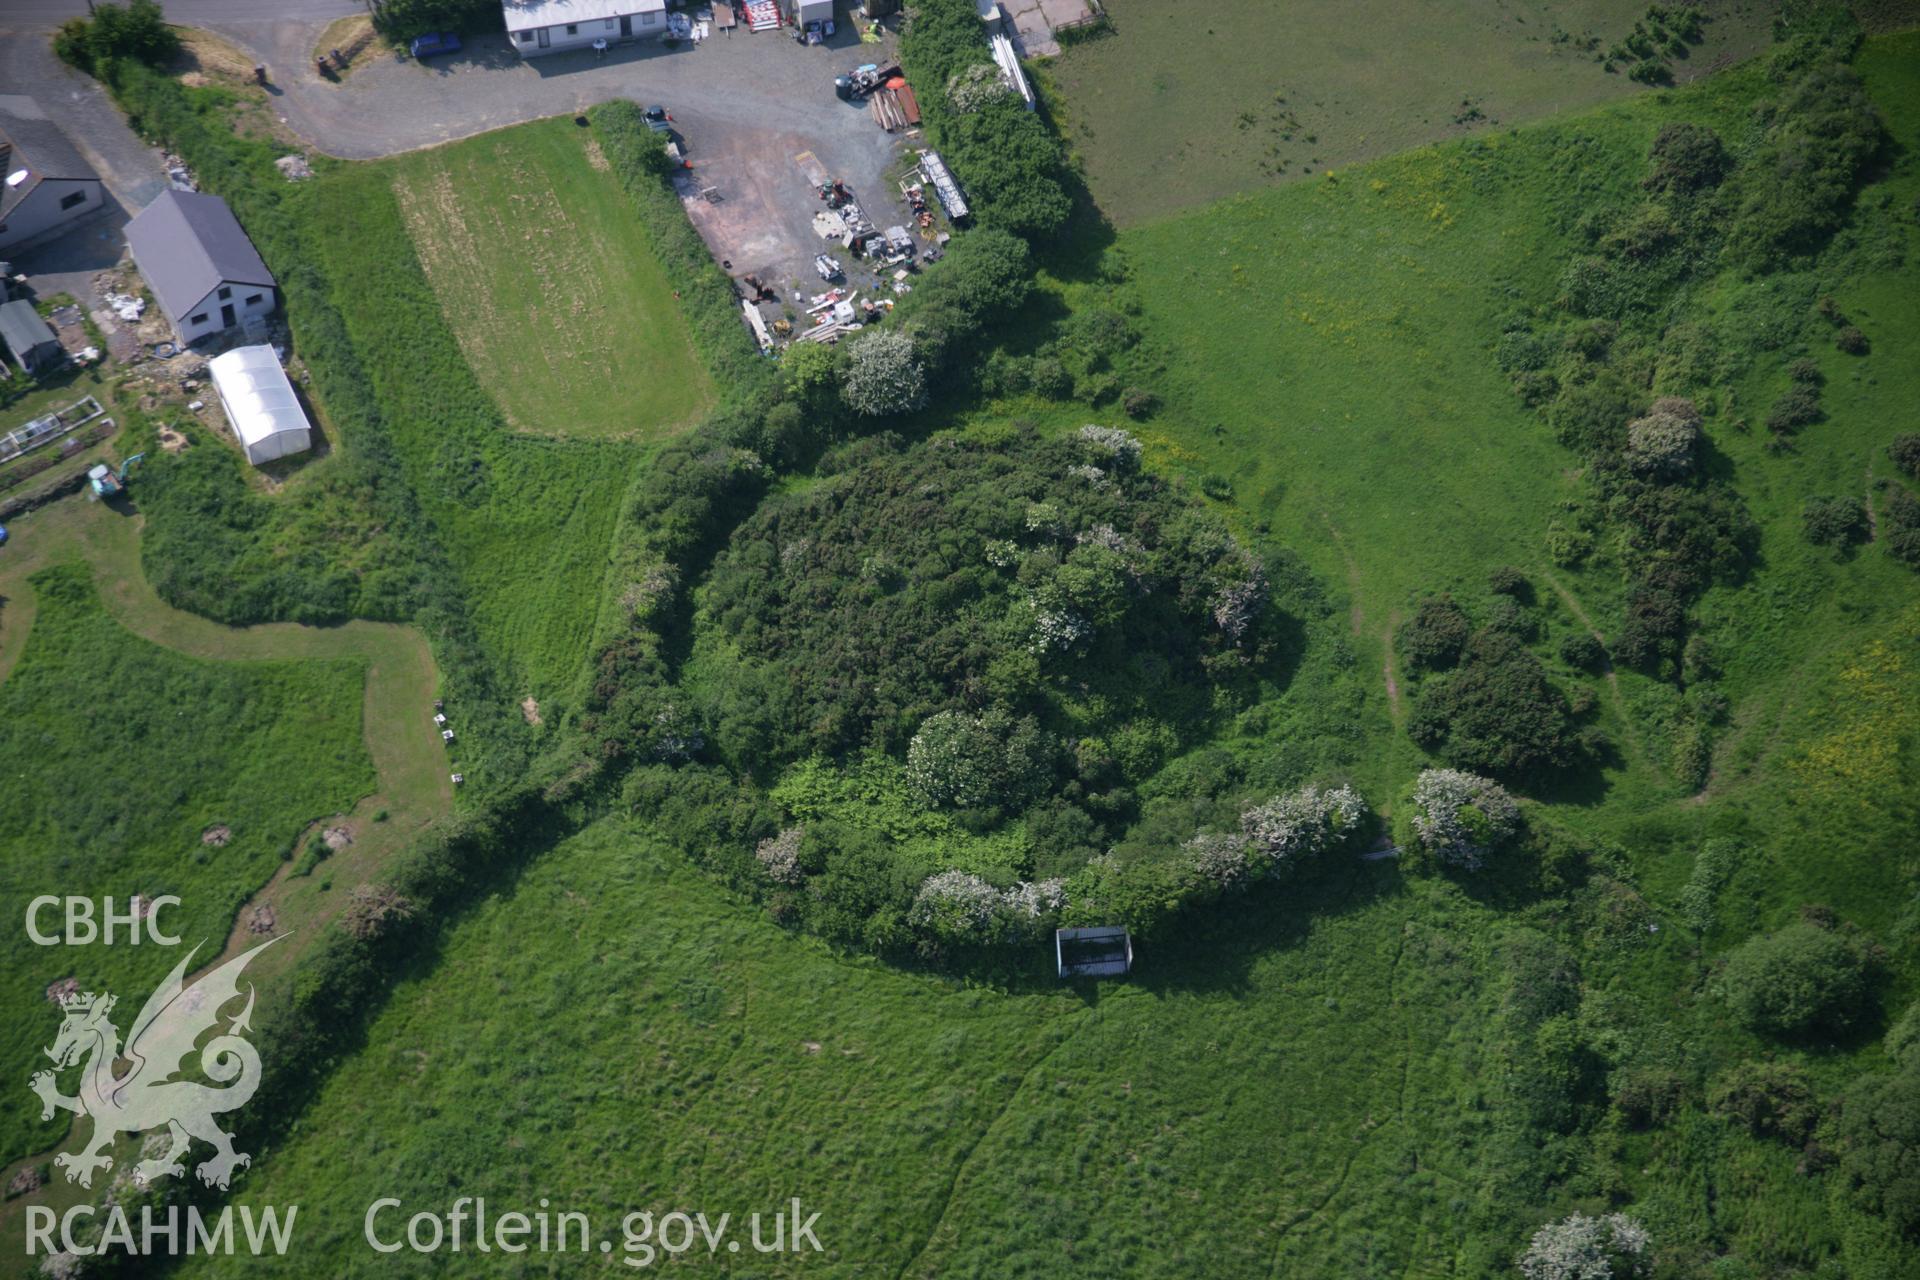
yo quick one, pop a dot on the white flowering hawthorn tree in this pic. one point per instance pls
(780, 856)
(1291, 829)
(883, 375)
(1461, 817)
(1579, 1247)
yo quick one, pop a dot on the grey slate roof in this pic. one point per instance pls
(22, 329)
(187, 244)
(38, 147)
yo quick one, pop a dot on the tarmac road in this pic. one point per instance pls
(748, 103)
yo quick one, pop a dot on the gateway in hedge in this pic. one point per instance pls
(266, 415)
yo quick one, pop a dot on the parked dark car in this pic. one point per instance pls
(658, 120)
(435, 42)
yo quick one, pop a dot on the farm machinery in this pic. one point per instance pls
(108, 482)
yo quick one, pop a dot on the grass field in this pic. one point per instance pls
(119, 754)
(1364, 1073)
(411, 785)
(1210, 1117)
(525, 520)
(1341, 377)
(1332, 1082)
(1178, 107)
(548, 282)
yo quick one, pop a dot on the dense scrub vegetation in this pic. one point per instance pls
(1014, 580)
(1007, 157)
(259, 749)
(820, 686)
(1485, 702)
(136, 31)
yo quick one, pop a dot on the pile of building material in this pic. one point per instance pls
(1009, 63)
(853, 228)
(179, 177)
(944, 185)
(762, 15)
(126, 306)
(895, 108)
(757, 323)
(837, 312)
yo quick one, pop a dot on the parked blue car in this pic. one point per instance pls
(435, 42)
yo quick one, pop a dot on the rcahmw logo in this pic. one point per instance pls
(163, 1041)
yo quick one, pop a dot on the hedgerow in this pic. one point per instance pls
(639, 160)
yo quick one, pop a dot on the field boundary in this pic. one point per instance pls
(400, 667)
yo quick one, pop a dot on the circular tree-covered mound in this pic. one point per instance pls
(1053, 581)
(955, 669)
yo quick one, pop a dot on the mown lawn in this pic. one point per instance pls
(118, 755)
(549, 284)
(1179, 106)
(525, 520)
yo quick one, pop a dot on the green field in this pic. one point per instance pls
(1314, 1090)
(548, 281)
(1177, 107)
(119, 755)
(525, 520)
(1330, 353)
(1347, 394)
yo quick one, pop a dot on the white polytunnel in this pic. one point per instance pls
(260, 403)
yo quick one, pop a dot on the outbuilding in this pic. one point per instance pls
(536, 27)
(802, 12)
(46, 185)
(31, 342)
(203, 270)
(260, 403)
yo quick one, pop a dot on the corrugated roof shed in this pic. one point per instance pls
(23, 331)
(523, 15)
(39, 148)
(187, 243)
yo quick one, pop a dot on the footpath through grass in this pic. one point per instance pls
(548, 281)
(120, 757)
(389, 685)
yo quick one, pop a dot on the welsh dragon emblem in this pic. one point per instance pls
(150, 1094)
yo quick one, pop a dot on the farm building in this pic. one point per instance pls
(48, 185)
(203, 270)
(266, 415)
(28, 338)
(537, 27)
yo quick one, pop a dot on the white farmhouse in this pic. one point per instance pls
(46, 185)
(260, 403)
(203, 270)
(535, 27)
